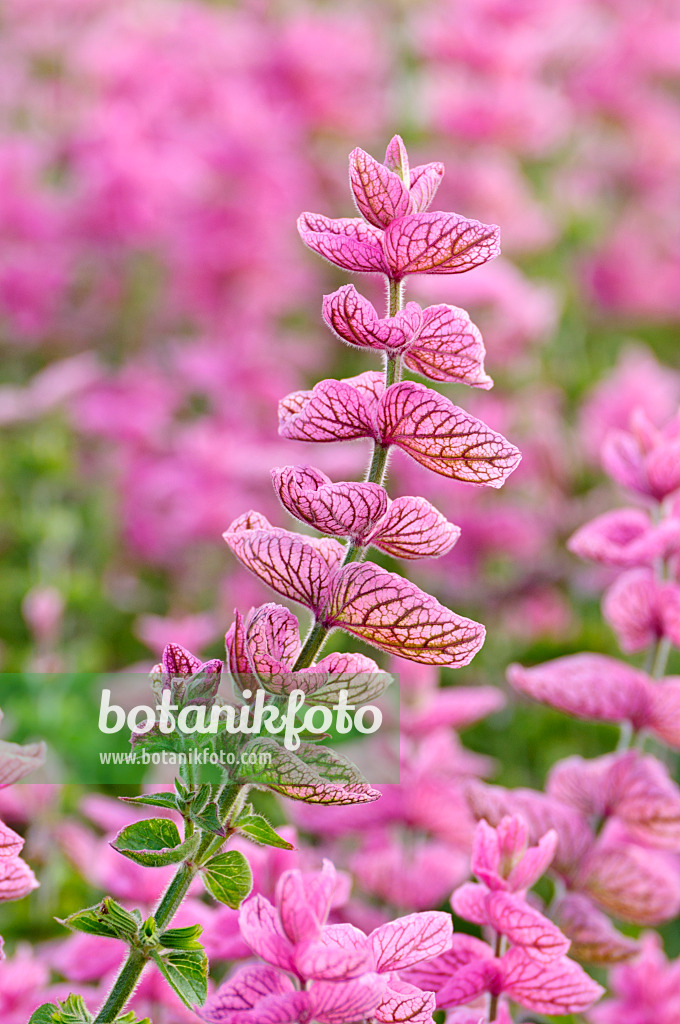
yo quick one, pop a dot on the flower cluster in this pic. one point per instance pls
(315, 971)
(395, 237)
(534, 970)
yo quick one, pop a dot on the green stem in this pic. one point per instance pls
(169, 904)
(131, 971)
(376, 475)
(493, 999)
(123, 988)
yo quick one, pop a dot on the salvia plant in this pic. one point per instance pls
(310, 969)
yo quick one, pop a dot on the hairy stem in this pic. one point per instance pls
(169, 904)
(376, 475)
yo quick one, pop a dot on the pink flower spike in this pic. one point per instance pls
(413, 528)
(380, 194)
(393, 614)
(403, 943)
(340, 510)
(438, 243)
(354, 320)
(349, 243)
(444, 438)
(448, 347)
(590, 686)
(558, 988)
(297, 567)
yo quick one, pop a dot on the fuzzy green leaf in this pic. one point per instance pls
(154, 842)
(228, 878)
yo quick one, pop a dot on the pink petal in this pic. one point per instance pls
(468, 983)
(444, 438)
(485, 859)
(402, 1002)
(341, 510)
(449, 348)
(512, 916)
(534, 863)
(560, 987)
(589, 686)
(341, 952)
(434, 974)
(396, 157)
(10, 843)
(393, 614)
(273, 638)
(298, 919)
(379, 193)
(17, 760)
(413, 528)
(354, 320)
(334, 410)
(260, 928)
(238, 660)
(424, 181)
(438, 243)
(625, 537)
(593, 937)
(408, 940)
(177, 661)
(664, 716)
(355, 673)
(348, 243)
(243, 992)
(16, 879)
(631, 883)
(336, 1002)
(297, 567)
(632, 608)
(469, 902)
(320, 889)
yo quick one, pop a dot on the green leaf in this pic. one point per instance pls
(107, 918)
(315, 774)
(209, 821)
(168, 800)
(187, 972)
(260, 831)
(228, 878)
(44, 1014)
(73, 1011)
(131, 1018)
(182, 938)
(155, 842)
